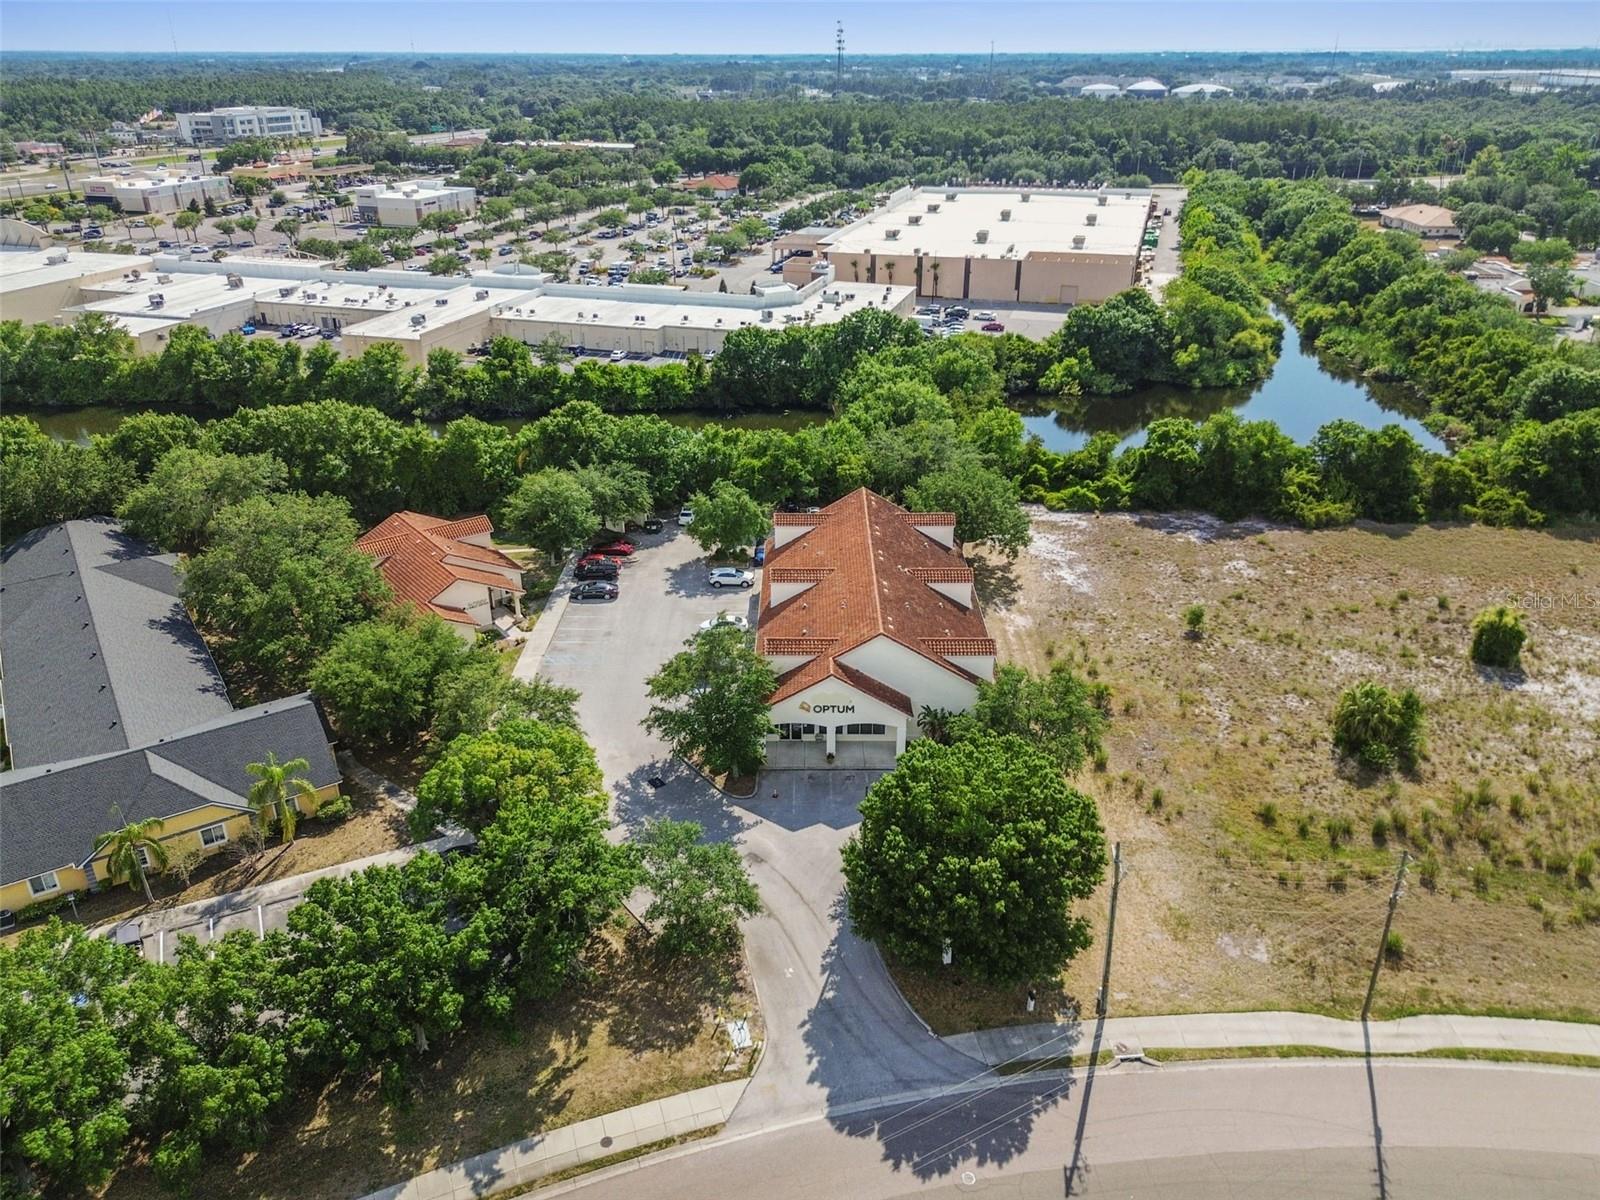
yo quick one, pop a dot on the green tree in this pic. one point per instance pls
(363, 256)
(478, 695)
(144, 438)
(1380, 728)
(984, 502)
(248, 224)
(380, 678)
(1055, 712)
(1551, 284)
(446, 264)
(188, 487)
(277, 792)
(279, 581)
(127, 849)
(617, 491)
(66, 1058)
(550, 510)
(187, 222)
(726, 518)
(700, 891)
(981, 846)
(1498, 636)
(1194, 620)
(479, 772)
(709, 702)
(372, 972)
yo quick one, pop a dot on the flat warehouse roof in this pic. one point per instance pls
(33, 268)
(1046, 222)
(605, 312)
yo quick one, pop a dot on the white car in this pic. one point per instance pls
(984, 316)
(722, 577)
(685, 515)
(723, 618)
(618, 355)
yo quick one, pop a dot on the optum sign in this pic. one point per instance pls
(827, 708)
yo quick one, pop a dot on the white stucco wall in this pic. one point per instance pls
(922, 680)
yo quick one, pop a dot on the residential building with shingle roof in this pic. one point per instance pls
(868, 614)
(115, 713)
(447, 568)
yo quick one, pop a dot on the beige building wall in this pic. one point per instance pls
(898, 270)
(42, 303)
(948, 283)
(1074, 278)
(458, 335)
(994, 279)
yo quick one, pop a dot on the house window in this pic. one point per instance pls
(793, 732)
(144, 856)
(213, 835)
(866, 730)
(40, 884)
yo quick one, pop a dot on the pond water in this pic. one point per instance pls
(1300, 396)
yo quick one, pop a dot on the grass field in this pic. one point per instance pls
(1257, 864)
(633, 1029)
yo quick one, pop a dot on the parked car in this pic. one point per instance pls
(760, 555)
(618, 355)
(615, 548)
(596, 589)
(721, 577)
(93, 233)
(723, 618)
(685, 515)
(247, 329)
(993, 327)
(595, 568)
(651, 525)
(985, 316)
(959, 313)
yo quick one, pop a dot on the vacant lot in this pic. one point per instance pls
(632, 1029)
(1257, 865)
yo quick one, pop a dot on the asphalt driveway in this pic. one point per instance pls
(838, 1031)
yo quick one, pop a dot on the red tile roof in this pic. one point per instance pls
(414, 552)
(717, 182)
(960, 646)
(942, 574)
(872, 563)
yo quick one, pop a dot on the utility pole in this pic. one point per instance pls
(1383, 942)
(838, 61)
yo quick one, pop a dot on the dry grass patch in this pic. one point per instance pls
(632, 1029)
(1258, 864)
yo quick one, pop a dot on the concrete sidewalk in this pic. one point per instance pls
(538, 638)
(572, 1145)
(1214, 1031)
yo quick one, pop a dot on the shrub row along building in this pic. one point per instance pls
(115, 713)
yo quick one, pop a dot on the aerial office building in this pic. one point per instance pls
(405, 204)
(156, 191)
(247, 121)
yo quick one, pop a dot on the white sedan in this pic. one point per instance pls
(722, 577)
(723, 618)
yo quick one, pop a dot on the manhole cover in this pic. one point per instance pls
(605, 1143)
(656, 781)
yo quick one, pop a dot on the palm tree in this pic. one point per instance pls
(276, 790)
(123, 857)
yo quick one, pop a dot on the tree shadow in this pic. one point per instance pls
(1508, 679)
(963, 1112)
(669, 788)
(660, 1001)
(1205, 528)
(801, 798)
(995, 582)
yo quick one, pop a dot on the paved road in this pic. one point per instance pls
(837, 1029)
(1312, 1130)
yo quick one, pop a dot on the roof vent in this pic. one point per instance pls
(418, 320)
(1100, 200)
(914, 219)
(1005, 214)
(1078, 240)
(983, 236)
(1090, 218)
(892, 235)
(1026, 196)
(481, 294)
(157, 299)
(933, 208)
(949, 195)
(441, 302)
(56, 259)
(235, 281)
(286, 291)
(163, 278)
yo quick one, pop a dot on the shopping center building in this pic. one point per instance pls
(869, 616)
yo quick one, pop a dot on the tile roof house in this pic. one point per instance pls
(868, 613)
(448, 568)
(1424, 220)
(722, 186)
(115, 711)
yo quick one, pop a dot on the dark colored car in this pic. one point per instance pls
(651, 525)
(760, 556)
(618, 547)
(993, 327)
(595, 568)
(596, 589)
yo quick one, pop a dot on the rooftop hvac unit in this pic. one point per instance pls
(441, 302)
(1090, 218)
(234, 281)
(56, 259)
(933, 208)
(418, 320)
(949, 195)
(915, 218)
(157, 299)
(1077, 241)
(983, 236)
(481, 294)
(1100, 200)
(892, 235)
(286, 291)
(1026, 196)
(134, 274)
(1005, 214)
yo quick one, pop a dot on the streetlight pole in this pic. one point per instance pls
(1383, 942)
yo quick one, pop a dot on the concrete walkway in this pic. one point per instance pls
(1214, 1031)
(537, 639)
(572, 1145)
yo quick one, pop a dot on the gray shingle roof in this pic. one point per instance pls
(98, 651)
(51, 814)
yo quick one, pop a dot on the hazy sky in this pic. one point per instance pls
(790, 26)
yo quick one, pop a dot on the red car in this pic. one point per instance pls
(618, 547)
(994, 327)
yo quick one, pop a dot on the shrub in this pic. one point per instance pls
(1394, 946)
(337, 809)
(1194, 620)
(1497, 637)
(1380, 728)
(1339, 830)
(186, 864)
(1428, 872)
(1380, 829)
(1583, 866)
(1480, 878)
(1267, 813)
